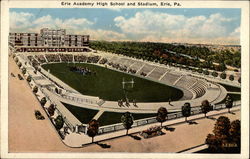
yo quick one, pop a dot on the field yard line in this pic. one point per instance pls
(98, 114)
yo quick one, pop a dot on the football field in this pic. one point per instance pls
(107, 84)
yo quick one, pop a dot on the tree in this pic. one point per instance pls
(215, 74)
(29, 78)
(127, 121)
(217, 140)
(225, 133)
(24, 70)
(229, 102)
(221, 127)
(43, 101)
(186, 110)
(222, 66)
(231, 77)
(19, 64)
(35, 89)
(161, 115)
(93, 129)
(51, 109)
(234, 132)
(205, 107)
(59, 121)
(206, 72)
(223, 75)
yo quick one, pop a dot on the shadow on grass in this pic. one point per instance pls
(169, 129)
(232, 113)
(192, 122)
(104, 146)
(134, 137)
(212, 118)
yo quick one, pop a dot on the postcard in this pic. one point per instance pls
(124, 79)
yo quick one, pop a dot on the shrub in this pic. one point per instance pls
(51, 109)
(35, 89)
(223, 75)
(59, 122)
(29, 78)
(200, 70)
(205, 107)
(206, 72)
(231, 77)
(24, 70)
(161, 115)
(43, 101)
(215, 74)
(19, 64)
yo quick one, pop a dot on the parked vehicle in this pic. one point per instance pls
(152, 131)
(38, 115)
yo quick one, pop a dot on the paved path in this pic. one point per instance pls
(77, 140)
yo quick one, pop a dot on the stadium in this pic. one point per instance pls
(82, 84)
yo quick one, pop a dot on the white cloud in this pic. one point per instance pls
(101, 34)
(163, 27)
(25, 22)
(115, 9)
(143, 26)
(236, 32)
(19, 21)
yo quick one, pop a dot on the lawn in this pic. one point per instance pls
(235, 97)
(108, 118)
(231, 88)
(107, 84)
(84, 115)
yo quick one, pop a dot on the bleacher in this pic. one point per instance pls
(186, 82)
(136, 66)
(157, 73)
(170, 78)
(40, 58)
(66, 57)
(93, 59)
(199, 88)
(52, 57)
(146, 69)
(126, 62)
(191, 86)
(80, 58)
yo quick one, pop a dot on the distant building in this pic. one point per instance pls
(50, 40)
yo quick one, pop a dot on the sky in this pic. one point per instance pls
(180, 25)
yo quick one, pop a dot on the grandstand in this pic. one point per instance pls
(194, 89)
(191, 86)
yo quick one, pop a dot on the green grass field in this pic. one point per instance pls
(107, 84)
(85, 115)
(231, 88)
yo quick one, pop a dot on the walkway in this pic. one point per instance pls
(77, 140)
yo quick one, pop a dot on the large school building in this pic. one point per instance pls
(49, 40)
